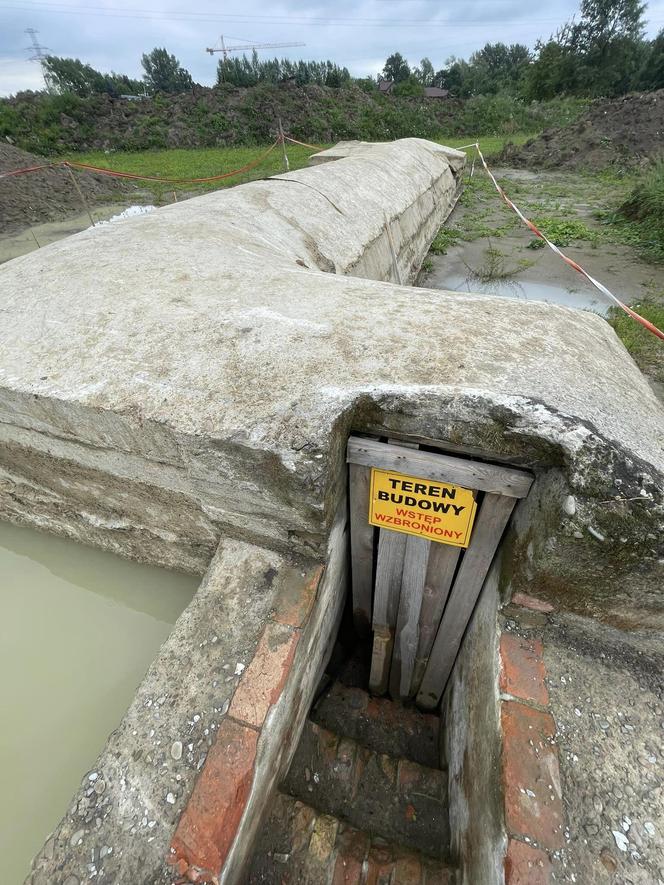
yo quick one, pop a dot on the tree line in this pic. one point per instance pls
(162, 73)
(604, 53)
(252, 71)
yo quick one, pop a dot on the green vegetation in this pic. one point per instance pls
(227, 115)
(491, 145)
(645, 348)
(563, 231)
(250, 72)
(164, 73)
(495, 266)
(196, 163)
(645, 205)
(71, 76)
(446, 237)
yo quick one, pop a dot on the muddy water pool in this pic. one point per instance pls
(78, 629)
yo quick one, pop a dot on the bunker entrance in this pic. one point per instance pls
(368, 787)
(424, 530)
(79, 627)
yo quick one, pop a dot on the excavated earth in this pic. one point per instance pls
(49, 194)
(626, 131)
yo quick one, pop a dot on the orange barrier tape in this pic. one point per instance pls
(651, 327)
(136, 177)
(28, 169)
(304, 143)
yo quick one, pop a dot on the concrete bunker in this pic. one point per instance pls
(181, 390)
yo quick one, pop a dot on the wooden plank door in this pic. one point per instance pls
(424, 592)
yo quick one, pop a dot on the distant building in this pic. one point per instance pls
(435, 92)
(386, 87)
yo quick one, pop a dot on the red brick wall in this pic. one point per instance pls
(530, 771)
(209, 824)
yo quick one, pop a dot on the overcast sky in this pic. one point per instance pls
(112, 34)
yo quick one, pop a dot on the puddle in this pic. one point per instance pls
(78, 629)
(20, 243)
(522, 290)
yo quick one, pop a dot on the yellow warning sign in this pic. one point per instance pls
(423, 507)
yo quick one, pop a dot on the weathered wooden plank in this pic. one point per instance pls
(443, 560)
(389, 567)
(408, 619)
(489, 526)
(454, 450)
(361, 546)
(440, 468)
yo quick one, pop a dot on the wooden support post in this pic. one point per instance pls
(283, 146)
(489, 526)
(361, 547)
(406, 639)
(389, 567)
(80, 193)
(393, 250)
(443, 561)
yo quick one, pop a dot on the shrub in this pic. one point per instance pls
(645, 204)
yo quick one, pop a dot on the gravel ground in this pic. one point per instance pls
(606, 695)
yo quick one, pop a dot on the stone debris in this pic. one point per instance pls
(621, 840)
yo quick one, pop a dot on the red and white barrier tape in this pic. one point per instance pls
(113, 173)
(651, 327)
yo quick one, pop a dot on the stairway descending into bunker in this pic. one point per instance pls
(364, 800)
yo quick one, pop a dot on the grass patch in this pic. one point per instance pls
(646, 350)
(639, 220)
(205, 162)
(563, 231)
(194, 163)
(446, 237)
(490, 145)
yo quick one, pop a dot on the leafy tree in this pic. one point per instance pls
(396, 68)
(497, 67)
(366, 84)
(602, 21)
(555, 71)
(456, 77)
(164, 73)
(425, 72)
(70, 75)
(652, 72)
(243, 72)
(411, 87)
(608, 39)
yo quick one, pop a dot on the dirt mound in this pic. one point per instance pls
(625, 131)
(48, 194)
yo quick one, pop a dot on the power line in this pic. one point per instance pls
(134, 13)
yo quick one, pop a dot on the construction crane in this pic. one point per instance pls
(243, 48)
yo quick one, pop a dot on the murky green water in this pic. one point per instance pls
(78, 630)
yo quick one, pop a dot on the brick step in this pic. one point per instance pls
(395, 799)
(299, 845)
(381, 724)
